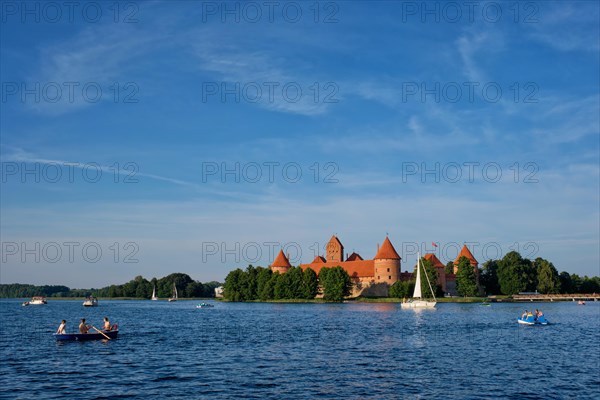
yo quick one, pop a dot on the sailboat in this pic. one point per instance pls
(174, 297)
(154, 293)
(417, 301)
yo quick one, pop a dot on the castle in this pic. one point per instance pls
(374, 277)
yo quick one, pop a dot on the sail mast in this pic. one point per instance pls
(430, 288)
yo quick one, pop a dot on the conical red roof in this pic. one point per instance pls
(465, 252)
(387, 251)
(319, 260)
(434, 260)
(281, 260)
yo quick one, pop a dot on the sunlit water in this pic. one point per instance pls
(283, 351)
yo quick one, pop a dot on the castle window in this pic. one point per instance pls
(389, 277)
(378, 277)
(388, 270)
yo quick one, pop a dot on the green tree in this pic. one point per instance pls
(195, 289)
(402, 289)
(233, 286)
(566, 284)
(449, 269)
(268, 291)
(310, 284)
(427, 267)
(294, 283)
(516, 274)
(335, 282)
(264, 291)
(489, 277)
(590, 285)
(576, 282)
(249, 284)
(283, 287)
(466, 281)
(547, 276)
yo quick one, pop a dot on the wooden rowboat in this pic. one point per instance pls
(85, 336)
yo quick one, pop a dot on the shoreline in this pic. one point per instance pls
(380, 300)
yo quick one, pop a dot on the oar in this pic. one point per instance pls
(100, 332)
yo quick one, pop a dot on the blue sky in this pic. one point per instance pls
(117, 127)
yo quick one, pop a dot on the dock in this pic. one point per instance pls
(556, 297)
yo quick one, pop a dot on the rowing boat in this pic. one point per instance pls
(85, 336)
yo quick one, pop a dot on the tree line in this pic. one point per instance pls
(510, 275)
(513, 274)
(258, 283)
(139, 287)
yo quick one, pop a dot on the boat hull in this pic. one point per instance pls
(532, 321)
(80, 337)
(418, 304)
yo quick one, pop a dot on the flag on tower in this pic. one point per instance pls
(434, 245)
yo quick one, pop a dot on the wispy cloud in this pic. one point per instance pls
(229, 63)
(20, 155)
(568, 26)
(98, 56)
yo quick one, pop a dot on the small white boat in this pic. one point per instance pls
(154, 298)
(417, 301)
(90, 301)
(174, 297)
(204, 305)
(36, 301)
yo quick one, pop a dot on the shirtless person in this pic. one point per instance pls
(106, 324)
(83, 328)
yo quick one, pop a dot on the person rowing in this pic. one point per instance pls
(83, 328)
(62, 327)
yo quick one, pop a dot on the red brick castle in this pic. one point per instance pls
(373, 277)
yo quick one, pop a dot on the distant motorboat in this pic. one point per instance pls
(154, 298)
(485, 303)
(581, 303)
(204, 305)
(35, 301)
(174, 297)
(417, 301)
(90, 301)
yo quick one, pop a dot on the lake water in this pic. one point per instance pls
(286, 351)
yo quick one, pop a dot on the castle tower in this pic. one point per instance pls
(465, 252)
(440, 269)
(387, 264)
(335, 250)
(281, 263)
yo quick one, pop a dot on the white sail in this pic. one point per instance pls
(174, 296)
(154, 293)
(417, 292)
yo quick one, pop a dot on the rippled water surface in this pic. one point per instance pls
(283, 351)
